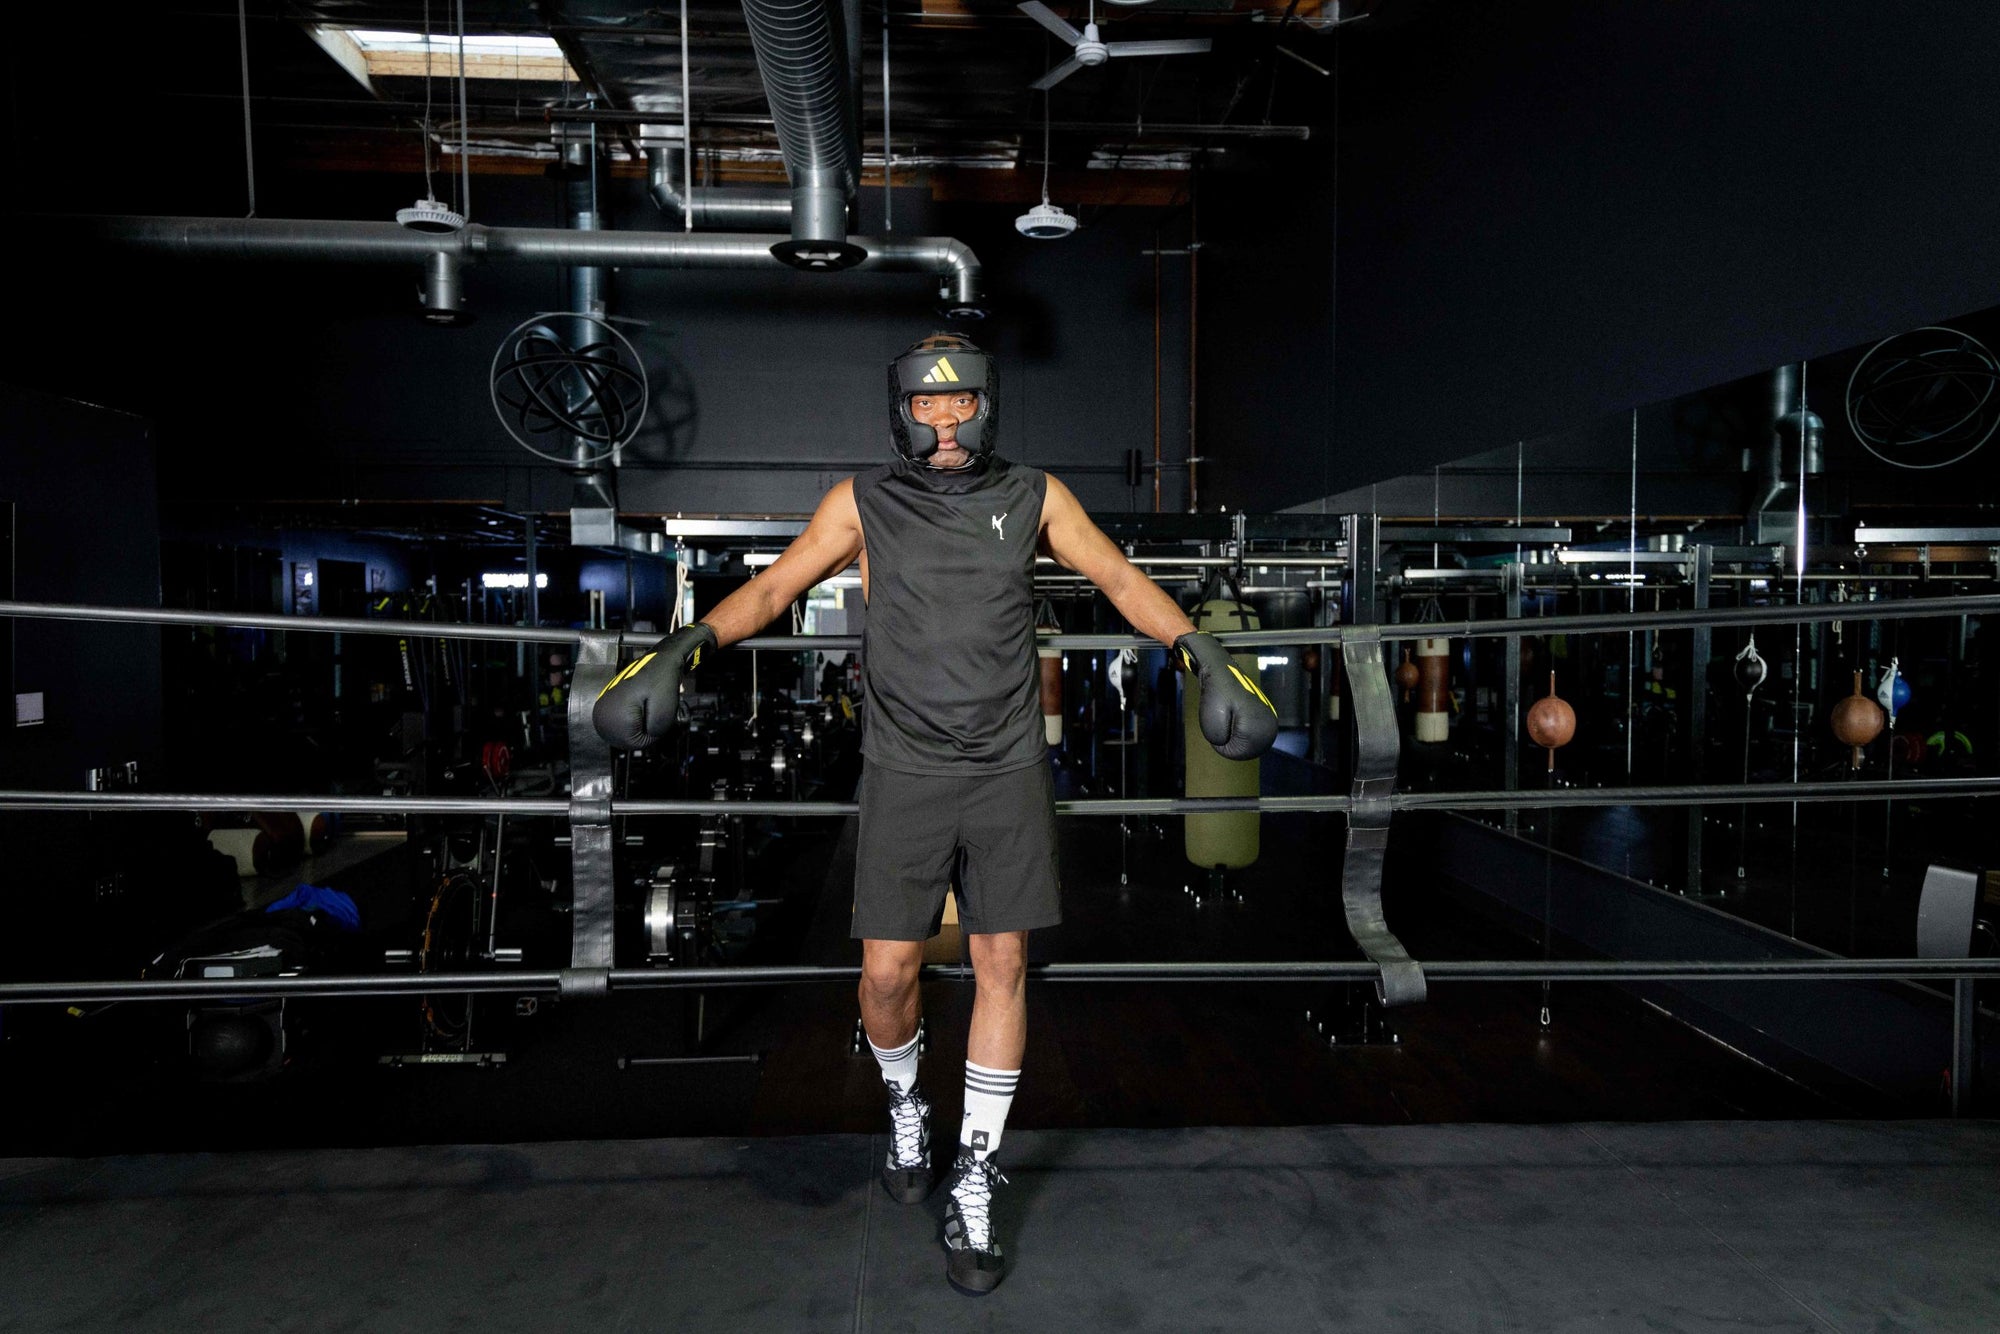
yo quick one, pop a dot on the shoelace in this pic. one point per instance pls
(909, 1129)
(973, 1193)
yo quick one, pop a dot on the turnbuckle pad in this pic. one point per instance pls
(1377, 747)
(583, 983)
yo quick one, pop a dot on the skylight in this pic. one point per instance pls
(383, 54)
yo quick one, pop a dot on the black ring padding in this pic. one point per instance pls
(583, 983)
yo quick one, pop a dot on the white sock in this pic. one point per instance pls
(988, 1095)
(899, 1067)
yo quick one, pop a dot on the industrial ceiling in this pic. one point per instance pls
(950, 79)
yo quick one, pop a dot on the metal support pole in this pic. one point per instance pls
(1698, 654)
(534, 598)
(1964, 1045)
(1512, 779)
(1321, 693)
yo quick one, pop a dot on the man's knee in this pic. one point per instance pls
(999, 961)
(889, 974)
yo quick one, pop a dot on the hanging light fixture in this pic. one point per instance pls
(427, 214)
(1045, 222)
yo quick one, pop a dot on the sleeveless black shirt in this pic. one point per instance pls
(948, 675)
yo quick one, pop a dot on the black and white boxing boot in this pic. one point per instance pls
(972, 1261)
(906, 1174)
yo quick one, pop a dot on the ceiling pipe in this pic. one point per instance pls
(732, 209)
(279, 239)
(802, 55)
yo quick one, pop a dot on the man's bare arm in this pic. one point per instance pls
(1080, 545)
(828, 545)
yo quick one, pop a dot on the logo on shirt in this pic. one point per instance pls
(998, 520)
(942, 373)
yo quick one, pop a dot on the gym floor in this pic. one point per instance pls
(1669, 1227)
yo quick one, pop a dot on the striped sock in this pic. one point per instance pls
(988, 1095)
(899, 1067)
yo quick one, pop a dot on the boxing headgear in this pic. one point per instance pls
(944, 363)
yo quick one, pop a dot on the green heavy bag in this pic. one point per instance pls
(1229, 839)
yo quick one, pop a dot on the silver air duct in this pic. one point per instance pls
(803, 58)
(1794, 450)
(443, 296)
(280, 239)
(593, 505)
(742, 209)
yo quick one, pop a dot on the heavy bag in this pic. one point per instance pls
(1229, 838)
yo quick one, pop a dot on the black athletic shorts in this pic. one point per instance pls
(994, 836)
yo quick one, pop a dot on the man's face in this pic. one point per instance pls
(944, 413)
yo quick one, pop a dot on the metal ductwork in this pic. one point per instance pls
(278, 239)
(1794, 450)
(740, 209)
(802, 53)
(593, 505)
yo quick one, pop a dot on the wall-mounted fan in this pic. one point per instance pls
(1087, 50)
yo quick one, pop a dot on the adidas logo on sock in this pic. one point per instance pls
(942, 373)
(979, 1140)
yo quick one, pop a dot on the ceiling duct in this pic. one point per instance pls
(802, 54)
(278, 239)
(735, 209)
(1793, 451)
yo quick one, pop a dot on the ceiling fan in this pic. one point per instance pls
(1087, 50)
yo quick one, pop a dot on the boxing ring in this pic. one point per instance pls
(1816, 1225)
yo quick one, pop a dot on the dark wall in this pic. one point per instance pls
(1551, 212)
(86, 529)
(1266, 307)
(319, 382)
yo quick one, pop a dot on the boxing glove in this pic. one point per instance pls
(640, 704)
(1236, 717)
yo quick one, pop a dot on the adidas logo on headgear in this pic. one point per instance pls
(942, 373)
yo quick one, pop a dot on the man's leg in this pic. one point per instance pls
(889, 1006)
(889, 1000)
(992, 1068)
(999, 1035)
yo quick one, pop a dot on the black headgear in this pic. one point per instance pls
(943, 363)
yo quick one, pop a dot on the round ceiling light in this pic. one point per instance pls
(427, 215)
(1045, 222)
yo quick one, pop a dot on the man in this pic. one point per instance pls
(956, 783)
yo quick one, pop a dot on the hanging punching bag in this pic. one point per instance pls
(1433, 716)
(1049, 663)
(1229, 838)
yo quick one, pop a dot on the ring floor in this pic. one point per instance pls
(1686, 1226)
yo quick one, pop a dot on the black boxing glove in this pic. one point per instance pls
(640, 704)
(1236, 717)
